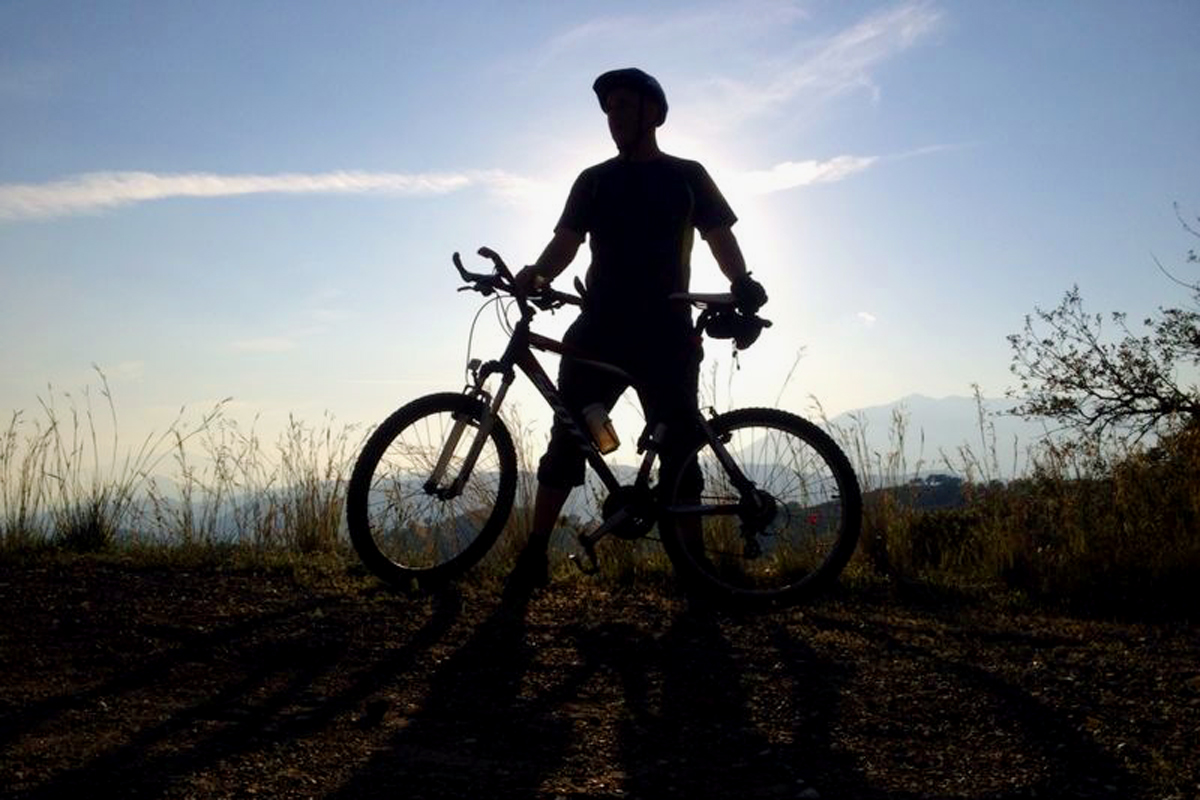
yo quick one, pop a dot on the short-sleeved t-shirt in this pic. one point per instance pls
(639, 218)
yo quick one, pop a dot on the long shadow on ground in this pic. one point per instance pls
(580, 692)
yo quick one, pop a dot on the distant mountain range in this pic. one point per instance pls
(891, 444)
(957, 436)
(919, 435)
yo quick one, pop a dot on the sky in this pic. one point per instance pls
(259, 200)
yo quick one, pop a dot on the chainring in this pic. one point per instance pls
(639, 502)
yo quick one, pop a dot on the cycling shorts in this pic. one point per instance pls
(664, 363)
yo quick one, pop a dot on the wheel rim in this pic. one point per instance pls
(418, 526)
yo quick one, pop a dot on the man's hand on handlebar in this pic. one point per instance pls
(530, 284)
(749, 294)
(530, 280)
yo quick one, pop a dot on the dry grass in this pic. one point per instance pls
(1088, 525)
(207, 483)
(1096, 526)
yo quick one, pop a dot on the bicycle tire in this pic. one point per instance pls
(806, 534)
(405, 531)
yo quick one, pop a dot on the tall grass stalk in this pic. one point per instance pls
(314, 467)
(885, 514)
(202, 484)
(89, 502)
(1093, 524)
(22, 491)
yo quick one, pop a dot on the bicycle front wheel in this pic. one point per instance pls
(779, 542)
(414, 511)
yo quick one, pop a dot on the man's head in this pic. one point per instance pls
(636, 81)
(634, 103)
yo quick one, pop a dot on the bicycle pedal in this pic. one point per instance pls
(584, 568)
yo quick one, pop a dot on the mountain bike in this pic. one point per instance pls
(777, 519)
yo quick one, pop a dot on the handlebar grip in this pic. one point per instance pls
(466, 276)
(501, 267)
(469, 277)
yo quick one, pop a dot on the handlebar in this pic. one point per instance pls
(501, 267)
(502, 280)
(480, 281)
(719, 317)
(718, 300)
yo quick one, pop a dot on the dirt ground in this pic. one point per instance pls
(139, 681)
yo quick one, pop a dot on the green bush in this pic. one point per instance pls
(1107, 533)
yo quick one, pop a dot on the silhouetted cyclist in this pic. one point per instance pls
(639, 211)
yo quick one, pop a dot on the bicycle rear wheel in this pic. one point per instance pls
(407, 520)
(787, 540)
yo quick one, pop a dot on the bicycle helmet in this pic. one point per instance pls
(630, 78)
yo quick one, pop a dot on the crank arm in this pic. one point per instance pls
(589, 549)
(588, 542)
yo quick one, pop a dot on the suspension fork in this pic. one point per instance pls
(491, 409)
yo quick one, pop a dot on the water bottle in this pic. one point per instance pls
(601, 427)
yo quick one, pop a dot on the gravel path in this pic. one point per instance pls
(211, 682)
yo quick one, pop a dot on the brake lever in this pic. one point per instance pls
(483, 290)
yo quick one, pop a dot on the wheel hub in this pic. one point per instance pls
(757, 519)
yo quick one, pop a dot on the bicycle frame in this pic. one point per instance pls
(759, 543)
(518, 354)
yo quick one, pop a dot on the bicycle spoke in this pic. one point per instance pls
(409, 522)
(794, 529)
(417, 527)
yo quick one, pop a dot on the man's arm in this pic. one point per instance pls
(725, 249)
(557, 255)
(727, 252)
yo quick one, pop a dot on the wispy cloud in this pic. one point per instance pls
(103, 191)
(867, 319)
(821, 68)
(848, 59)
(631, 36)
(99, 191)
(733, 62)
(791, 174)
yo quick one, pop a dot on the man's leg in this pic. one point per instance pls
(547, 506)
(562, 466)
(670, 394)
